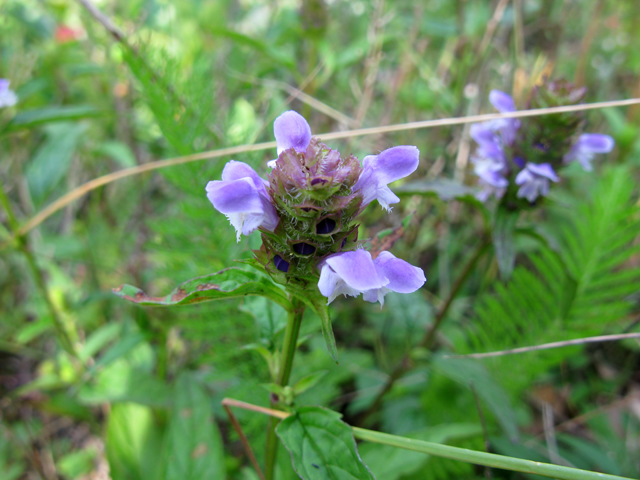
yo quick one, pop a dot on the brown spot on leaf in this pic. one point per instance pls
(200, 450)
(186, 413)
(208, 286)
(179, 295)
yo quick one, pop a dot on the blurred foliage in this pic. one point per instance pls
(142, 398)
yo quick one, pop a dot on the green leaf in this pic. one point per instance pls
(503, 231)
(317, 303)
(310, 381)
(471, 373)
(321, 445)
(52, 159)
(133, 443)
(270, 317)
(275, 54)
(120, 382)
(228, 283)
(31, 118)
(118, 151)
(193, 443)
(76, 464)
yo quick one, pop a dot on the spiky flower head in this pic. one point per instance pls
(306, 212)
(515, 161)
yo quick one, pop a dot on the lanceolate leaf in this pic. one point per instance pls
(228, 283)
(322, 446)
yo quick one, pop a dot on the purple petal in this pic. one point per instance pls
(291, 131)
(596, 142)
(403, 277)
(502, 101)
(543, 170)
(246, 205)
(534, 180)
(482, 133)
(394, 163)
(8, 98)
(587, 146)
(237, 196)
(348, 274)
(236, 170)
(356, 269)
(380, 170)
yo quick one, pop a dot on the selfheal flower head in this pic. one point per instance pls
(306, 212)
(8, 98)
(534, 180)
(242, 196)
(381, 170)
(586, 147)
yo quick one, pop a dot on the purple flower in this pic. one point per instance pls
(492, 137)
(7, 96)
(508, 127)
(291, 131)
(382, 169)
(348, 274)
(353, 273)
(587, 146)
(402, 277)
(534, 180)
(242, 196)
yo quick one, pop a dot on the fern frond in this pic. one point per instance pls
(583, 289)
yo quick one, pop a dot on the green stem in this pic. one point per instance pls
(23, 246)
(289, 345)
(481, 458)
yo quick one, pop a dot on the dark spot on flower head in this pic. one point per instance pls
(519, 161)
(304, 248)
(325, 226)
(281, 264)
(306, 209)
(344, 241)
(316, 181)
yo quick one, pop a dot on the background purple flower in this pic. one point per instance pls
(534, 180)
(242, 196)
(508, 127)
(402, 277)
(586, 147)
(8, 98)
(348, 274)
(382, 169)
